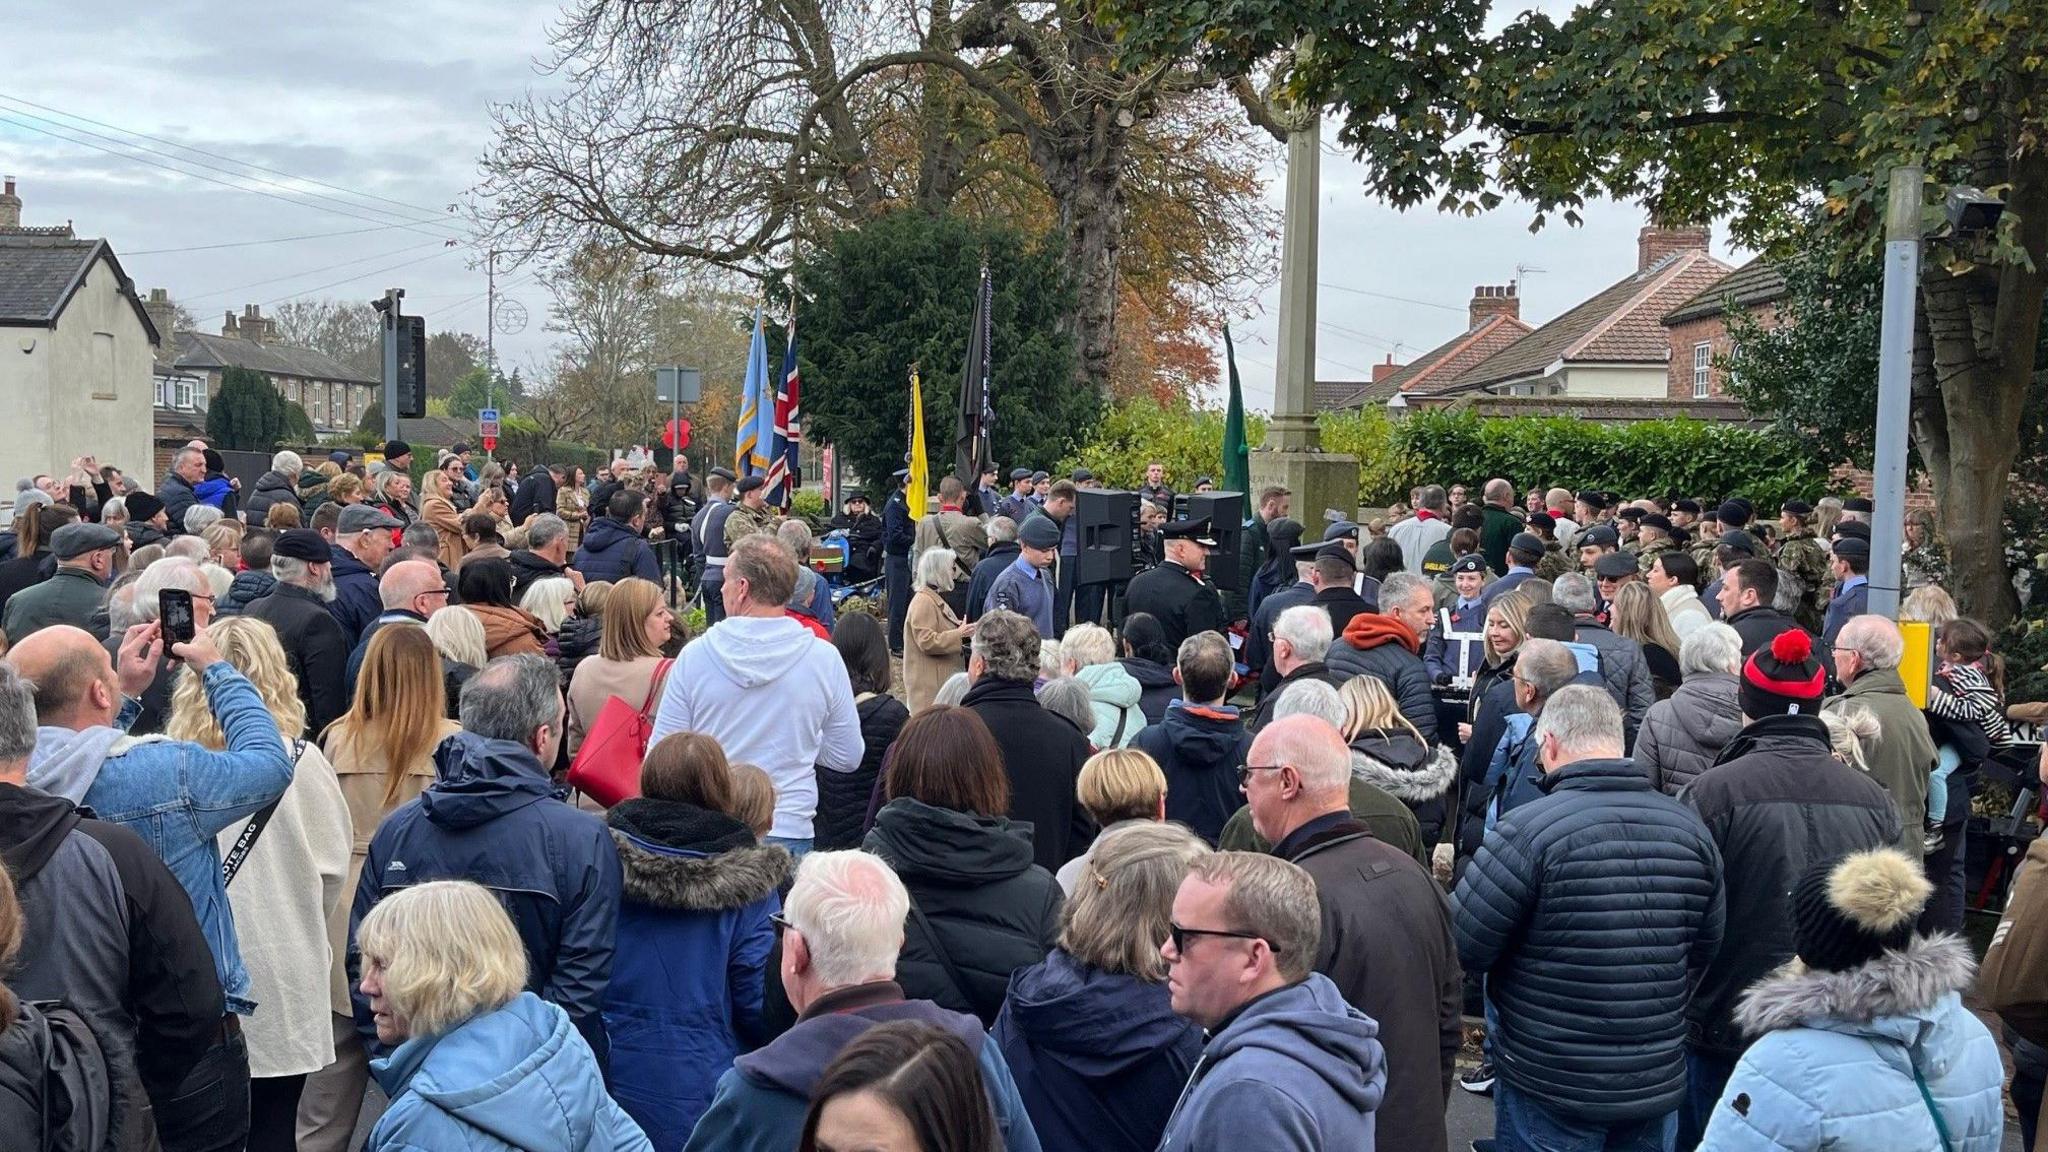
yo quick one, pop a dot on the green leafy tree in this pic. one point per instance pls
(1133, 433)
(1701, 109)
(298, 427)
(247, 413)
(899, 291)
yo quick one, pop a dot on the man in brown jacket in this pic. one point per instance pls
(1867, 654)
(1386, 940)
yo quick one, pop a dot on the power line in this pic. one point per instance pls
(416, 226)
(353, 279)
(431, 212)
(1384, 296)
(314, 271)
(255, 243)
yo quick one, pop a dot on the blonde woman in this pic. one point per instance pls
(1090, 1033)
(1088, 654)
(382, 750)
(1117, 786)
(1640, 616)
(445, 974)
(1929, 604)
(437, 508)
(934, 637)
(1506, 619)
(550, 600)
(459, 637)
(629, 662)
(284, 887)
(1388, 753)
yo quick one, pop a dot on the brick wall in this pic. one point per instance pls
(1713, 331)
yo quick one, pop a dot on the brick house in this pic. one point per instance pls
(189, 368)
(1698, 328)
(1493, 321)
(1610, 347)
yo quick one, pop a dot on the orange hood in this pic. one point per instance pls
(1371, 629)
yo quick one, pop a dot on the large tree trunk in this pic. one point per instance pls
(1983, 328)
(1087, 184)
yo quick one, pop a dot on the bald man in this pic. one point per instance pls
(177, 796)
(411, 591)
(1387, 941)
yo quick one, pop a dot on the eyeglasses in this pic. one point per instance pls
(435, 592)
(780, 922)
(1180, 935)
(1244, 771)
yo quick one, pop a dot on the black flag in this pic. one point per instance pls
(977, 411)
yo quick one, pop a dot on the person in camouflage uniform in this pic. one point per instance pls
(1806, 558)
(1706, 536)
(1554, 562)
(1653, 539)
(751, 514)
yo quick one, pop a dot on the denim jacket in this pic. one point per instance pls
(179, 796)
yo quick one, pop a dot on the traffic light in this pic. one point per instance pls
(412, 367)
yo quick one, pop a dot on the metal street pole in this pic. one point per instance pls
(1894, 389)
(391, 298)
(490, 325)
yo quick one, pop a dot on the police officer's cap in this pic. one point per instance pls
(1196, 530)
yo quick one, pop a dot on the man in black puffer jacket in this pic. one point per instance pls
(1387, 646)
(1776, 803)
(1592, 911)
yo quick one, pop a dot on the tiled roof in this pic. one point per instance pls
(204, 350)
(1748, 286)
(1333, 393)
(1621, 323)
(41, 269)
(1447, 361)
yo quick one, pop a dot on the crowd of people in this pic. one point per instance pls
(437, 819)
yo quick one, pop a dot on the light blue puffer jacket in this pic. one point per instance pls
(1834, 1065)
(1113, 694)
(518, 1079)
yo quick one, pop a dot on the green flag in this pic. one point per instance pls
(1237, 459)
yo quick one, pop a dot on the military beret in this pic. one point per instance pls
(1848, 547)
(1529, 542)
(1038, 532)
(1856, 504)
(753, 482)
(1735, 539)
(1602, 535)
(1471, 562)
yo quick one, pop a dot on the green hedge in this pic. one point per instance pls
(1648, 458)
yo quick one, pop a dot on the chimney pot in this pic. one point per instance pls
(1385, 369)
(1490, 300)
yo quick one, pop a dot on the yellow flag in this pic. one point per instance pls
(915, 490)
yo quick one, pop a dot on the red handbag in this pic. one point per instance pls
(607, 765)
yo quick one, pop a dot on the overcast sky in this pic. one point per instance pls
(393, 103)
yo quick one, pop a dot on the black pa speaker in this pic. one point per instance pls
(1106, 534)
(1225, 511)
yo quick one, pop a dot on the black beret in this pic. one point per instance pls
(1630, 513)
(750, 483)
(1657, 520)
(1737, 540)
(1856, 504)
(1592, 499)
(1541, 520)
(1796, 508)
(1691, 506)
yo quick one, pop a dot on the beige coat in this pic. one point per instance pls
(361, 775)
(934, 639)
(597, 680)
(440, 513)
(1903, 753)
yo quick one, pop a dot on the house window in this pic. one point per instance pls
(161, 399)
(1702, 368)
(183, 394)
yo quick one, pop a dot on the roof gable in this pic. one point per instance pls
(203, 350)
(42, 269)
(1755, 283)
(1620, 323)
(1445, 362)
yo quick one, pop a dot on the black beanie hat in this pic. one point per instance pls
(1848, 912)
(1782, 678)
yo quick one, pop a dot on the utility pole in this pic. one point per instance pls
(1894, 388)
(490, 325)
(389, 308)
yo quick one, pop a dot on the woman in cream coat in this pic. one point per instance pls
(935, 636)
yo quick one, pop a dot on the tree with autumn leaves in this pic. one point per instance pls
(1701, 109)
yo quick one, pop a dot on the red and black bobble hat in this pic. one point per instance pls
(1782, 678)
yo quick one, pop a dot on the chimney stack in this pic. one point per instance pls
(1490, 300)
(162, 313)
(10, 208)
(251, 325)
(1654, 243)
(1383, 370)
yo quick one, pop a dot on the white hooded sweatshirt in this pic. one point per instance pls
(773, 695)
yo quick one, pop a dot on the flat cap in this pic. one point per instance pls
(1614, 565)
(363, 517)
(80, 537)
(1038, 532)
(304, 544)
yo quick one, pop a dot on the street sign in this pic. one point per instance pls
(676, 435)
(674, 385)
(487, 424)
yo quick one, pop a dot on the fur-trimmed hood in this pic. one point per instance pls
(1902, 984)
(1402, 766)
(682, 857)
